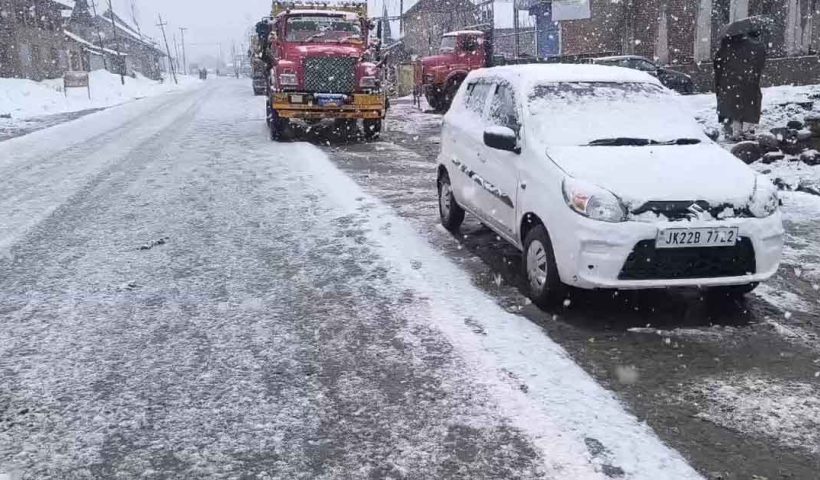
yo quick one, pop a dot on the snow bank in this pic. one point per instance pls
(23, 98)
(779, 106)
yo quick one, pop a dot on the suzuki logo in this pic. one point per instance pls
(696, 212)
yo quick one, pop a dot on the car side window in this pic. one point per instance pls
(502, 108)
(477, 96)
(643, 65)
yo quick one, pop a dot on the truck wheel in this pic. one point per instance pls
(544, 283)
(372, 128)
(277, 126)
(447, 97)
(452, 215)
(434, 101)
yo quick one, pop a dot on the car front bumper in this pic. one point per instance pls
(597, 255)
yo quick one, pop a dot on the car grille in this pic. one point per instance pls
(679, 210)
(330, 74)
(646, 262)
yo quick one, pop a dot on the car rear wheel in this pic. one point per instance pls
(544, 283)
(452, 215)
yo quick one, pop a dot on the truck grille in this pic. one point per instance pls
(648, 263)
(330, 74)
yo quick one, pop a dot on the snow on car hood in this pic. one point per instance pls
(661, 173)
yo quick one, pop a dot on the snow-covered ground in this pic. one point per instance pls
(288, 325)
(21, 98)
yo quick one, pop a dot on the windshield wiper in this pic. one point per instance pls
(620, 142)
(679, 141)
(639, 142)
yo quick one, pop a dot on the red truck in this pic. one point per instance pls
(323, 66)
(438, 77)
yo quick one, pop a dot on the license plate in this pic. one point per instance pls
(296, 99)
(697, 237)
(330, 100)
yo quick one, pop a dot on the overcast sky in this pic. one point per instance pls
(211, 22)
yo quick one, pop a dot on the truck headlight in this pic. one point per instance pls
(288, 79)
(765, 200)
(369, 82)
(593, 201)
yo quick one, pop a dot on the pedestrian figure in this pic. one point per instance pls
(739, 66)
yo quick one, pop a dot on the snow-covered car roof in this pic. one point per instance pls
(524, 77)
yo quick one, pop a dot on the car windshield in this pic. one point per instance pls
(448, 44)
(606, 113)
(323, 29)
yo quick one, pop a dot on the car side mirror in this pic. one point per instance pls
(502, 138)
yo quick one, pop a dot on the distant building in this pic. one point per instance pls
(427, 20)
(96, 42)
(673, 31)
(504, 42)
(31, 39)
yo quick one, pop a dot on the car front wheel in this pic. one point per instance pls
(452, 215)
(543, 281)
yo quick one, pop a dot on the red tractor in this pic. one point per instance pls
(439, 76)
(323, 65)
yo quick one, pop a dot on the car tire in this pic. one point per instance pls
(372, 128)
(451, 213)
(540, 269)
(730, 291)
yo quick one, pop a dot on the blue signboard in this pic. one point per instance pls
(549, 32)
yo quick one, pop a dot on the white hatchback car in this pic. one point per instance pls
(601, 178)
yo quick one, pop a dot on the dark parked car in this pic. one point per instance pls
(677, 81)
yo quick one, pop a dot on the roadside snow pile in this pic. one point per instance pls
(21, 98)
(786, 142)
(789, 412)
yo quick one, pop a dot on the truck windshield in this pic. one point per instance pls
(448, 45)
(323, 29)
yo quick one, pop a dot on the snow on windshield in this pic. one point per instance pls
(577, 113)
(322, 28)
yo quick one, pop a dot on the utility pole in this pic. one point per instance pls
(401, 18)
(134, 17)
(176, 52)
(161, 25)
(117, 43)
(184, 57)
(516, 30)
(99, 34)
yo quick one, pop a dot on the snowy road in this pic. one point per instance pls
(181, 298)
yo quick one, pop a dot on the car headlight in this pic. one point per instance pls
(368, 82)
(765, 200)
(287, 79)
(593, 201)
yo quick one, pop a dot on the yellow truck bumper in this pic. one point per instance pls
(363, 106)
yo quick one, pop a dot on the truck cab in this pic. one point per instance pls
(323, 65)
(439, 76)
